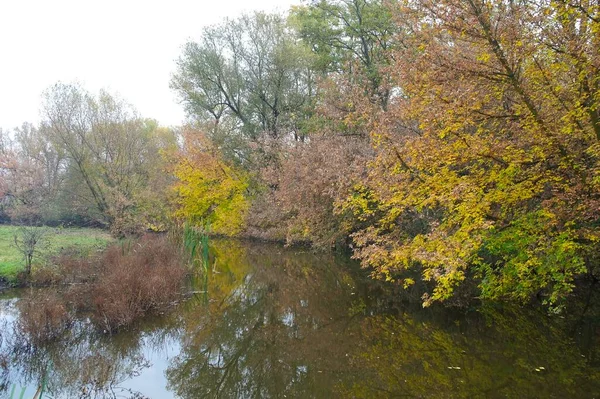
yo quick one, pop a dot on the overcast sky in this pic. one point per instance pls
(126, 46)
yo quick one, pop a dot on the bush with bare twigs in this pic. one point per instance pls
(120, 285)
(148, 276)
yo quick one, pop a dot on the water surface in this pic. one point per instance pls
(269, 322)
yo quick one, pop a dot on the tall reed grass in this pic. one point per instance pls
(195, 243)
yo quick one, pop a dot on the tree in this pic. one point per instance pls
(6, 164)
(208, 190)
(109, 149)
(22, 191)
(34, 144)
(36, 153)
(307, 182)
(349, 35)
(28, 240)
(488, 160)
(6, 160)
(250, 70)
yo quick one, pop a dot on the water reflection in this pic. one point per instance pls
(278, 326)
(268, 322)
(85, 363)
(495, 353)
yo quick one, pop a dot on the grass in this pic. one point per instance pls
(57, 239)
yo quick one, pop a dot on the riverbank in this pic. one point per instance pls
(53, 242)
(113, 288)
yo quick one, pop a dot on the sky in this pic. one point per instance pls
(126, 46)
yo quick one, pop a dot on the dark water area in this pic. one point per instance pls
(269, 322)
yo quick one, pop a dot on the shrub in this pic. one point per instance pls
(120, 285)
(147, 276)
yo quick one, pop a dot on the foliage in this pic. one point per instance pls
(455, 142)
(345, 35)
(350, 42)
(528, 254)
(309, 179)
(476, 154)
(488, 162)
(250, 69)
(113, 156)
(209, 190)
(25, 187)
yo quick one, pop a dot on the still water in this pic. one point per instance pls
(269, 322)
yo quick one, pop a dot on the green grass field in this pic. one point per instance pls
(56, 239)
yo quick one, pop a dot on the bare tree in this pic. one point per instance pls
(29, 240)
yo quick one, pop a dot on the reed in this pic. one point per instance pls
(196, 244)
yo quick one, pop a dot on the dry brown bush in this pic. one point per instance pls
(132, 281)
(118, 286)
(68, 268)
(305, 185)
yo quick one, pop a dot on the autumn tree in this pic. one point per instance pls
(5, 159)
(112, 154)
(36, 153)
(487, 164)
(351, 44)
(209, 192)
(299, 181)
(6, 162)
(22, 190)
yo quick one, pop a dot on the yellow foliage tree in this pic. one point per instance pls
(488, 154)
(208, 190)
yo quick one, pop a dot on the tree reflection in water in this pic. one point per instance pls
(279, 324)
(85, 363)
(305, 326)
(268, 322)
(496, 353)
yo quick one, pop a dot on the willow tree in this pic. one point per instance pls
(353, 38)
(488, 164)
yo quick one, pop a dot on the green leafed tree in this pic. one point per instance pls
(349, 34)
(251, 70)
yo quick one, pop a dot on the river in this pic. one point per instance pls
(270, 322)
